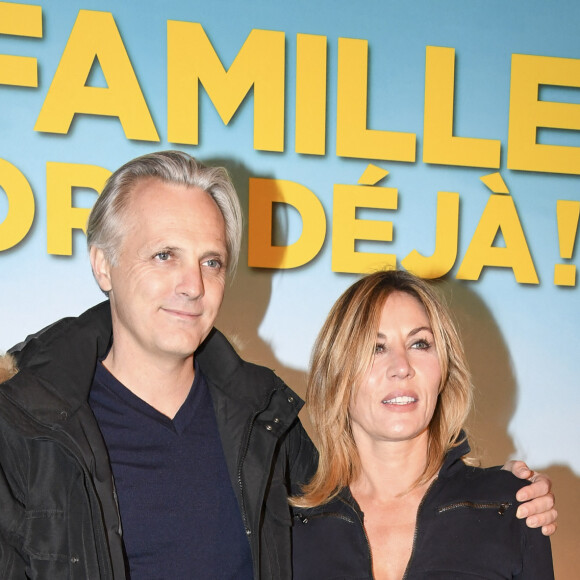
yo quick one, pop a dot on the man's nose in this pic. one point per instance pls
(190, 283)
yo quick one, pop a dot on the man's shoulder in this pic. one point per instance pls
(218, 357)
(226, 369)
(94, 322)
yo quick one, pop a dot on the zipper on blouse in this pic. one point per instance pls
(501, 507)
(360, 519)
(415, 533)
(304, 519)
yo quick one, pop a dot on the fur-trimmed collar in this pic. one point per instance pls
(7, 367)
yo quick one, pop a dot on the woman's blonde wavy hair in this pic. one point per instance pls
(342, 355)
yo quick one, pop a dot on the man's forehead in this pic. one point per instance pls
(155, 184)
(155, 205)
(153, 191)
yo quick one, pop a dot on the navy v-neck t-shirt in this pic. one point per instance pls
(179, 514)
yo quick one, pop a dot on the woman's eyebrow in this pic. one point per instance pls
(419, 329)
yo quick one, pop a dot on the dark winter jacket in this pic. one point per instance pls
(466, 529)
(59, 518)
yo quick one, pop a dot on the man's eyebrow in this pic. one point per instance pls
(209, 253)
(161, 246)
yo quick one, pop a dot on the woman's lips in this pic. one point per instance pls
(399, 400)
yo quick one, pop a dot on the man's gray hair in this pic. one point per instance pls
(106, 228)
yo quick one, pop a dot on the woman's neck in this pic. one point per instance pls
(388, 469)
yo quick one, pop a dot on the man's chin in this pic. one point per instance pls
(183, 348)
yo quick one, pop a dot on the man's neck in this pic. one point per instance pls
(163, 384)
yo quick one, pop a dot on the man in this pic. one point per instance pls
(134, 442)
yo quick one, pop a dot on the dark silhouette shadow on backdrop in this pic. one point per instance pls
(491, 369)
(248, 295)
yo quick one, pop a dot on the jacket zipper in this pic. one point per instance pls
(501, 507)
(243, 457)
(368, 546)
(305, 519)
(360, 520)
(416, 532)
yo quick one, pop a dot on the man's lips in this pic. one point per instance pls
(182, 313)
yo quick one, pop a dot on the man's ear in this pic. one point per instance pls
(101, 268)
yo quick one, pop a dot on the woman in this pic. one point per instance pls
(388, 394)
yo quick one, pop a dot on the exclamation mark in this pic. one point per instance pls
(567, 213)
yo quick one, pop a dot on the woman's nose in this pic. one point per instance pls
(399, 364)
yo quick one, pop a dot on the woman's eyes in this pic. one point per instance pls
(420, 344)
(379, 348)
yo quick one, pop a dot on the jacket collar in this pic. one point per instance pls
(57, 364)
(243, 381)
(452, 461)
